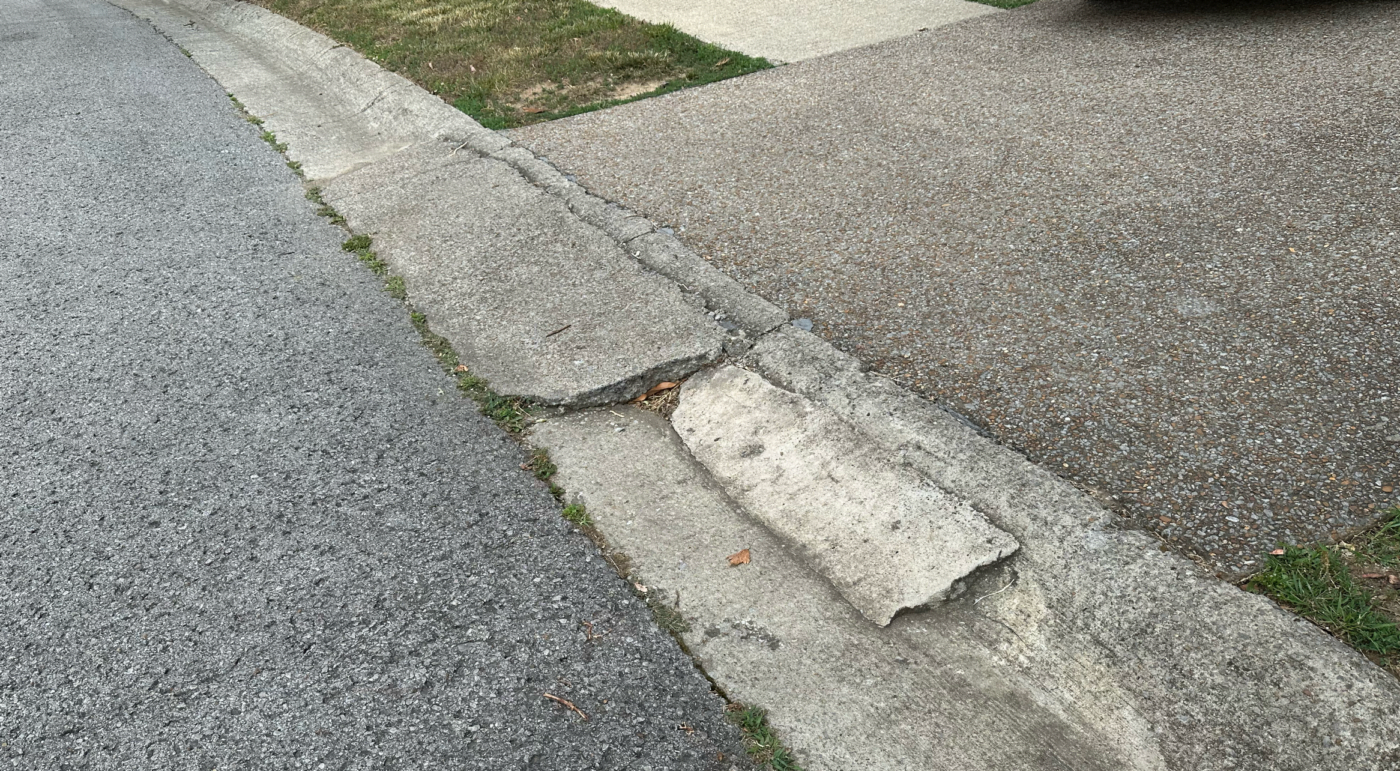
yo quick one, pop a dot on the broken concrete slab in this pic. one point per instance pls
(539, 303)
(1087, 649)
(885, 537)
(334, 109)
(929, 691)
(1226, 679)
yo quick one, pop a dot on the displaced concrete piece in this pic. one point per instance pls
(886, 538)
(792, 30)
(334, 109)
(934, 691)
(540, 304)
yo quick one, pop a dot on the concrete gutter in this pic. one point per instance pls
(1090, 647)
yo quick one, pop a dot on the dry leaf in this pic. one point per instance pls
(740, 558)
(1373, 575)
(654, 390)
(721, 62)
(1395, 580)
(460, 368)
(1278, 552)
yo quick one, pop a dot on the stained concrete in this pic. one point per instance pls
(1153, 245)
(886, 538)
(792, 30)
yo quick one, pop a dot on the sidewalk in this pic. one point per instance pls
(247, 523)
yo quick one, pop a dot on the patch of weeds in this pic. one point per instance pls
(271, 138)
(395, 287)
(510, 63)
(578, 515)
(186, 52)
(765, 748)
(667, 617)
(1350, 589)
(313, 194)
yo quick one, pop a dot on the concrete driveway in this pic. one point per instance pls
(1152, 245)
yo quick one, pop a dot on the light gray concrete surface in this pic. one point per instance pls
(542, 304)
(245, 520)
(536, 301)
(885, 537)
(1088, 648)
(1153, 245)
(927, 692)
(792, 30)
(334, 109)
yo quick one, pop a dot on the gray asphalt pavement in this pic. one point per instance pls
(1151, 244)
(245, 520)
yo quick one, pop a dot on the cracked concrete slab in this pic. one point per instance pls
(885, 537)
(539, 302)
(536, 301)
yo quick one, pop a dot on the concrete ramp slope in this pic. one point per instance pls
(792, 30)
(537, 292)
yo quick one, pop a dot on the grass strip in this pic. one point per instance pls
(511, 63)
(1351, 589)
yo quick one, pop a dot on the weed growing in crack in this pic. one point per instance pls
(271, 138)
(765, 748)
(667, 617)
(360, 247)
(395, 287)
(313, 194)
(510, 413)
(578, 515)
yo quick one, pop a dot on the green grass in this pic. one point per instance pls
(514, 62)
(766, 750)
(1344, 588)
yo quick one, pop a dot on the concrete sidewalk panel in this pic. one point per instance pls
(536, 301)
(792, 30)
(885, 537)
(334, 109)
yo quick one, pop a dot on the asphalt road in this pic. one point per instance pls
(245, 520)
(1152, 245)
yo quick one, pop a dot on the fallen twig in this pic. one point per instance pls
(557, 331)
(566, 703)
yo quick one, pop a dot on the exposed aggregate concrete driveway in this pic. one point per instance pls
(1153, 245)
(246, 522)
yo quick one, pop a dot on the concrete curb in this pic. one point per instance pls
(1089, 647)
